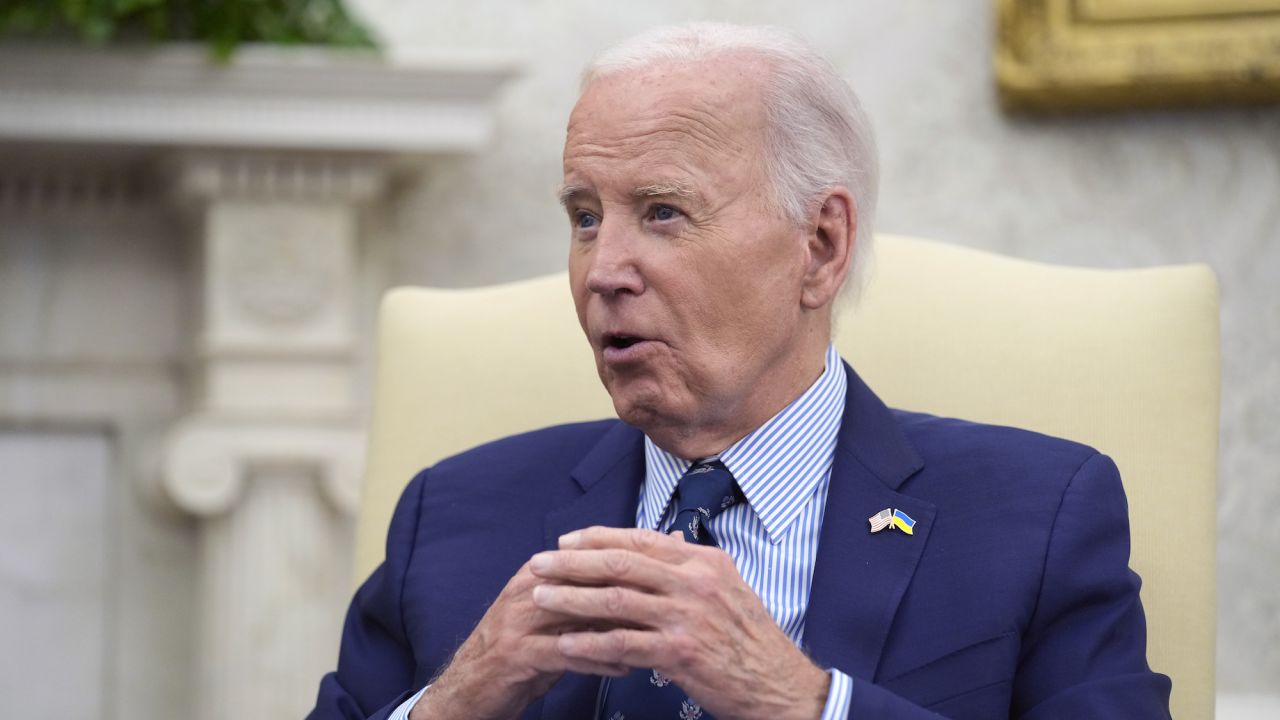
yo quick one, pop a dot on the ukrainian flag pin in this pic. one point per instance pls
(903, 522)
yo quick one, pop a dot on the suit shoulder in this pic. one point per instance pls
(991, 451)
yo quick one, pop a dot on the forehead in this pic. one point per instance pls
(692, 118)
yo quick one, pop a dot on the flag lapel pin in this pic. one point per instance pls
(903, 522)
(892, 518)
(881, 520)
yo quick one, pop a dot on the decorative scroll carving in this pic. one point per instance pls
(1089, 54)
(206, 462)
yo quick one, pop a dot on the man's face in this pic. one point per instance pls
(685, 276)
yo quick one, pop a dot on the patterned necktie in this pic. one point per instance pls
(704, 491)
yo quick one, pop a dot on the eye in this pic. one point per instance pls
(664, 213)
(584, 220)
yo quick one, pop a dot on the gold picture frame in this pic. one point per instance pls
(1058, 55)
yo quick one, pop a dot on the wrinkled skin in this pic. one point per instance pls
(676, 240)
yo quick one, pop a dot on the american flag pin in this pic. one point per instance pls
(881, 520)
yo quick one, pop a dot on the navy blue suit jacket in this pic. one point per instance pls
(1013, 598)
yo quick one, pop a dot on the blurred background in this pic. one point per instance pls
(194, 238)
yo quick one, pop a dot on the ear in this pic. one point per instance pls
(830, 242)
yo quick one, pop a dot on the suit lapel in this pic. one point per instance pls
(609, 477)
(859, 578)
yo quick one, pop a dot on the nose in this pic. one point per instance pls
(613, 266)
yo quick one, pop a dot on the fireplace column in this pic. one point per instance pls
(270, 455)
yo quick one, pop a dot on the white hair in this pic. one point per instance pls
(817, 136)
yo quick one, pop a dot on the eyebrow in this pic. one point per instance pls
(678, 189)
(569, 193)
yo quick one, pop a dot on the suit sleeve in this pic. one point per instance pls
(1084, 649)
(375, 663)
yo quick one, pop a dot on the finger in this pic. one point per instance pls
(523, 615)
(518, 597)
(613, 604)
(610, 566)
(646, 542)
(633, 648)
(543, 655)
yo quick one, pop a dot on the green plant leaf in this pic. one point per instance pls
(223, 24)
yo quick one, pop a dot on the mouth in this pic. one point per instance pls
(622, 347)
(621, 342)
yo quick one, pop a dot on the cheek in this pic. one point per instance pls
(775, 274)
(751, 306)
(578, 291)
(729, 300)
(577, 270)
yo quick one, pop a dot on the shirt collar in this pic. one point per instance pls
(778, 465)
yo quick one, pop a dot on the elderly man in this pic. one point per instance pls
(759, 536)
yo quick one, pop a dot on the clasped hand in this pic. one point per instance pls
(611, 600)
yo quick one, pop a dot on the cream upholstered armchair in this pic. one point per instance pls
(1124, 360)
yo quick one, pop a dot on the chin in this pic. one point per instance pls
(638, 403)
(631, 411)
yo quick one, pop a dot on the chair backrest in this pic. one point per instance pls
(1124, 360)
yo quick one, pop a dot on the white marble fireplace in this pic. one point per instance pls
(182, 269)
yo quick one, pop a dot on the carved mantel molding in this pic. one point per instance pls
(267, 97)
(272, 159)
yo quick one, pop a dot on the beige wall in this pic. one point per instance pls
(1112, 191)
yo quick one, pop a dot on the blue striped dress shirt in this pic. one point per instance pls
(783, 468)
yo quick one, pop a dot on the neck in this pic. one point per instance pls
(789, 380)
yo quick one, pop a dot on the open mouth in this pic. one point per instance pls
(621, 348)
(621, 342)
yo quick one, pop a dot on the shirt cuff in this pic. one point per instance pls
(838, 696)
(402, 712)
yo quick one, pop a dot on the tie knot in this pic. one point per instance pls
(703, 492)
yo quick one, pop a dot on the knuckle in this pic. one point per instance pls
(585, 646)
(689, 578)
(682, 650)
(622, 643)
(699, 580)
(645, 541)
(566, 561)
(615, 600)
(617, 562)
(706, 591)
(680, 615)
